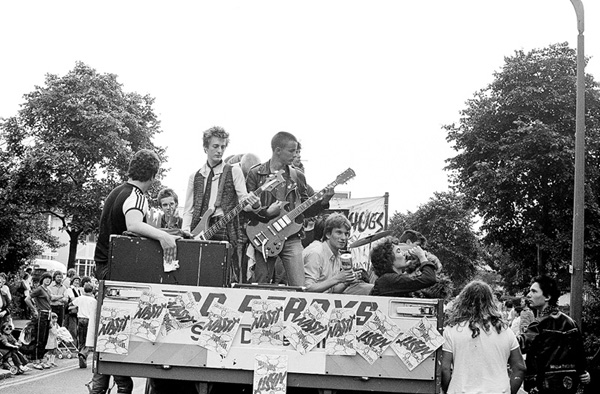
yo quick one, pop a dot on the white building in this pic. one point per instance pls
(84, 260)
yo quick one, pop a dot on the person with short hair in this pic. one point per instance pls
(389, 258)
(168, 216)
(555, 359)
(323, 270)
(214, 190)
(126, 209)
(291, 194)
(39, 303)
(86, 308)
(58, 296)
(478, 345)
(71, 273)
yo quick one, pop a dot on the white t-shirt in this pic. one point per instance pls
(86, 306)
(480, 363)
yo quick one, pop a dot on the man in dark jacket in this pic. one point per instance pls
(553, 343)
(292, 193)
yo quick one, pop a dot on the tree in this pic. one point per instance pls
(515, 160)
(72, 140)
(21, 236)
(448, 226)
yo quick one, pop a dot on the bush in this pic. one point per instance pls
(590, 320)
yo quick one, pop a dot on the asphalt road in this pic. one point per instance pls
(67, 378)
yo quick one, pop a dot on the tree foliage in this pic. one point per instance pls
(515, 159)
(72, 140)
(448, 226)
(21, 235)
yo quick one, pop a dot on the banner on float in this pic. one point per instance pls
(367, 216)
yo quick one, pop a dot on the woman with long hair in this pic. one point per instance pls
(479, 345)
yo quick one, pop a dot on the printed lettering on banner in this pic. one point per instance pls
(416, 344)
(270, 374)
(267, 322)
(218, 333)
(375, 336)
(149, 316)
(341, 333)
(183, 311)
(307, 330)
(114, 328)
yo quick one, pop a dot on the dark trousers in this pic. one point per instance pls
(82, 328)
(42, 326)
(100, 383)
(60, 312)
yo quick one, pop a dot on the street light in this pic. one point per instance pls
(579, 190)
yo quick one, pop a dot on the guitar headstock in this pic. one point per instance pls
(345, 176)
(273, 181)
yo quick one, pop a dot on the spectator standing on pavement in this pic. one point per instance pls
(478, 345)
(73, 292)
(39, 303)
(527, 316)
(556, 360)
(86, 307)
(58, 296)
(71, 273)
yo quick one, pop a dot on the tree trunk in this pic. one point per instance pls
(73, 242)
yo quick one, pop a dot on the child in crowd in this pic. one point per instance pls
(9, 348)
(52, 343)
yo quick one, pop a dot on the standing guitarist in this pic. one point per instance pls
(225, 187)
(293, 193)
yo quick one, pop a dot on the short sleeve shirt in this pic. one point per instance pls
(121, 200)
(480, 362)
(41, 297)
(320, 263)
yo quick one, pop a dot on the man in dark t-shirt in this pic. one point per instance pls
(125, 209)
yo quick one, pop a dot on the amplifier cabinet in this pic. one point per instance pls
(201, 263)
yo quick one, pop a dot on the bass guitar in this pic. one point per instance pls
(269, 237)
(203, 232)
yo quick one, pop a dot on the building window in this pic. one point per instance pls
(84, 267)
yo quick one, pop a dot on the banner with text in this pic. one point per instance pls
(367, 216)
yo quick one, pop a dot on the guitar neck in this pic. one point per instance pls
(215, 228)
(294, 213)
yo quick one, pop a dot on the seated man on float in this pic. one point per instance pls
(389, 259)
(323, 271)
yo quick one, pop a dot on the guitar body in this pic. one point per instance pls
(201, 228)
(272, 234)
(268, 238)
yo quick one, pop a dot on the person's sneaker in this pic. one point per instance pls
(53, 365)
(82, 361)
(45, 366)
(25, 368)
(37, 366)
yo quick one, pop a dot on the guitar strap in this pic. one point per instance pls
(226, 169)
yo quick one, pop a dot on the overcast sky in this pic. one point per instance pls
(362, 84)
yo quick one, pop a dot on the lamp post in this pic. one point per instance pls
(579, 190)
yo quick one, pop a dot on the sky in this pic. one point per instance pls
(365, 85)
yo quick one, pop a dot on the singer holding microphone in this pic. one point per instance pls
(326, 270)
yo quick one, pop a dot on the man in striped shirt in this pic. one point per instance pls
(125, 209)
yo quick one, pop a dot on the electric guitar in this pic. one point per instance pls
(269, 237)
(203, 232)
